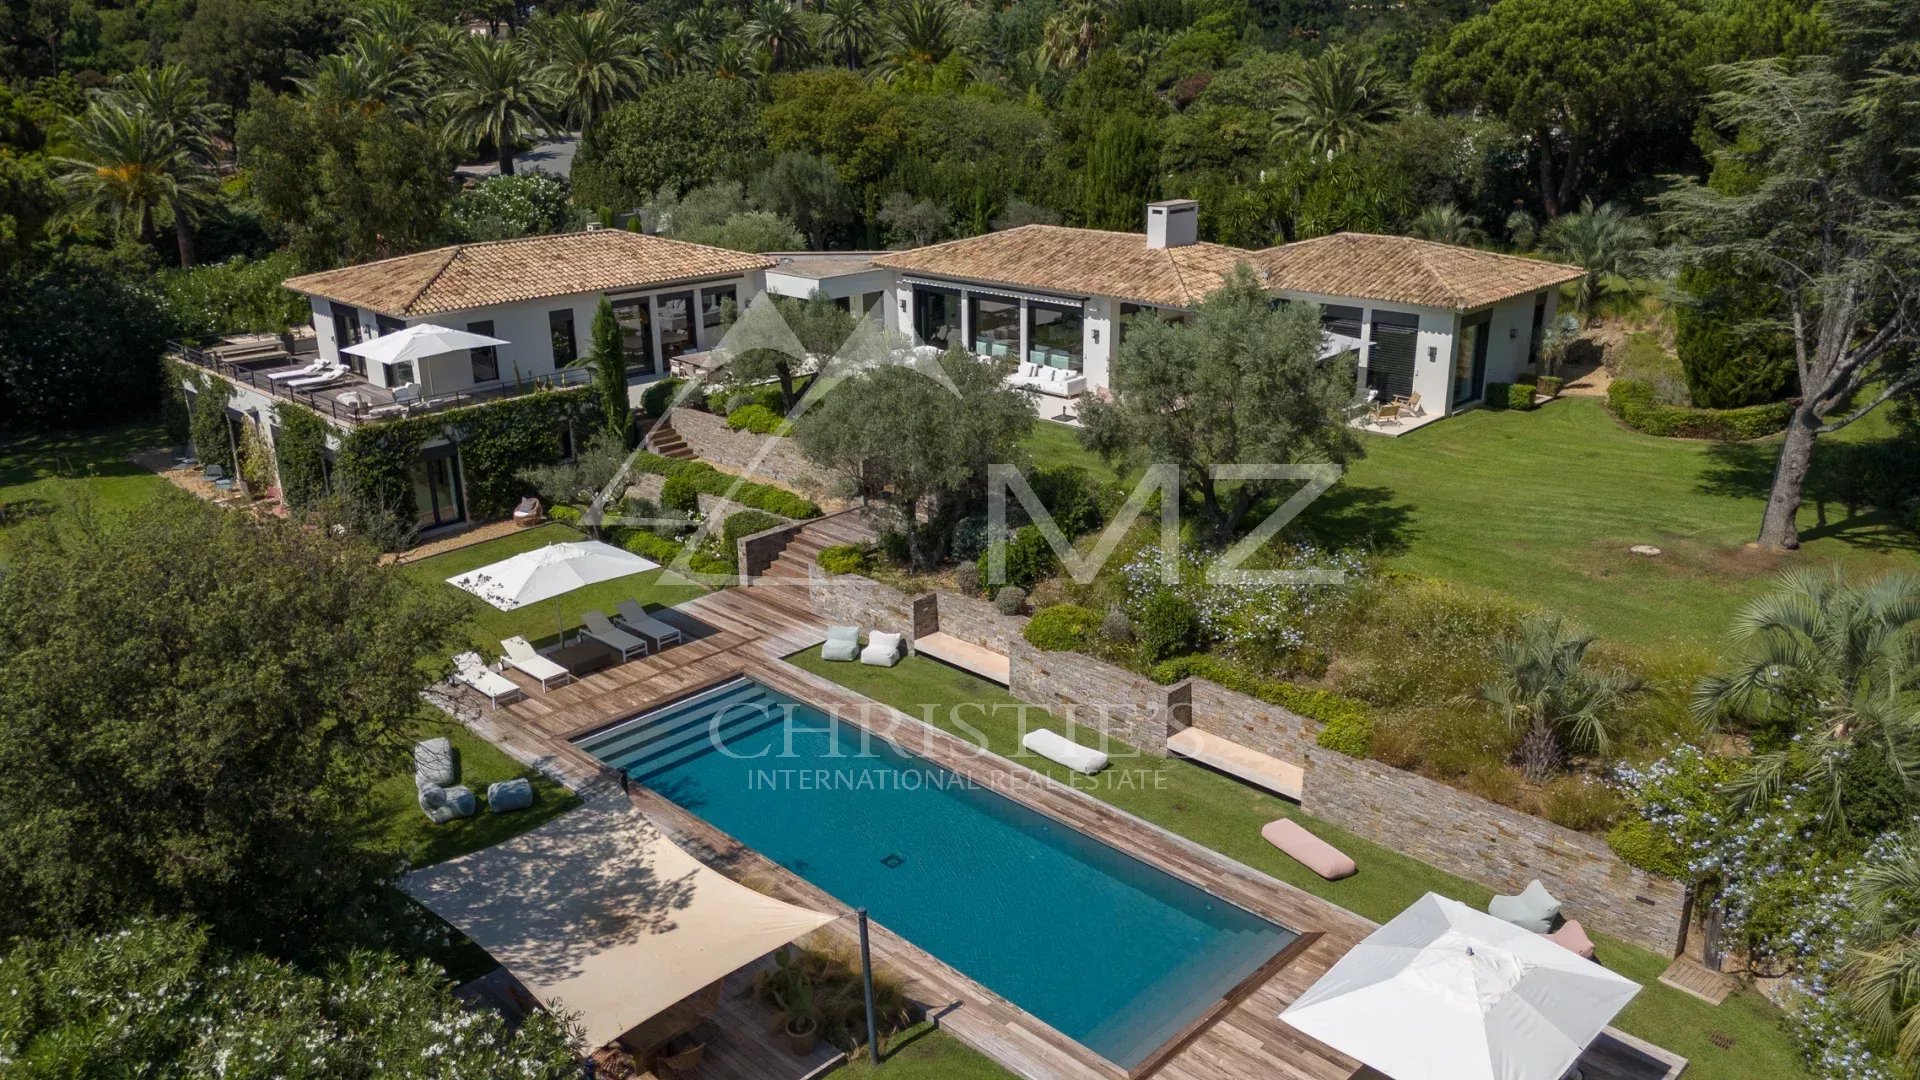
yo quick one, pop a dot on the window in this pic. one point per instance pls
(1341, 321)
(1391, 353)
(675, 313)
(1054, 335)
(400, 374)
(346, 331)
(436, 488)
(1470, 360)
(566, 442)
(566, 349)
(869, 301)
(486, 360)
(636, 333)
(386, 325)
(713, 309)
(1539, 323)
(936, 315)
(996, 326)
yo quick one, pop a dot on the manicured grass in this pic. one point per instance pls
(1543, 505)
(1057, 444)
(1226, 815)
(398, 821)
(925, 1052)
(40, 475)
(543, 622)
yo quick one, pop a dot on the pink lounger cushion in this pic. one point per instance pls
(1573, 937)
(1314, 853)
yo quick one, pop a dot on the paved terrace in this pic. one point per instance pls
(745, 631)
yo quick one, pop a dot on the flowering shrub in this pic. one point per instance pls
(1267, 624)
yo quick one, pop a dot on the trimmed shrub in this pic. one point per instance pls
(1549, 384)
(702, 477)
(1169, 626)
(1329, 709)
(1029, 558)
(1639, 843)
(894, 547)
(680, 493)
(651, 545)
(966, 578)
(1009, 600)
(1636, 405)
(565, 515)
(758, 419)
(844, 559)
(655, 399)
(745, 523)
(1517, 395)
(1061, 628)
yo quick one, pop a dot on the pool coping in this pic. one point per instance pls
(1232, 997)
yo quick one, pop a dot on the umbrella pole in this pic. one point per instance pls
(866, 978)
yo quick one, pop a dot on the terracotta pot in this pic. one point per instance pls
(803, 1042)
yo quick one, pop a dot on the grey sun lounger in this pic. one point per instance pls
(600, 629)
(635, 618)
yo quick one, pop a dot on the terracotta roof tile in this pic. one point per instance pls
(1403, 270)
(504, 271)
(1085, 262)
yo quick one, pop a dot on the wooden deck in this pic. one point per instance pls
(745, 631)
(1689, 977)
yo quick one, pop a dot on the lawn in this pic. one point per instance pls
(41, 474)
(1226, 815)
(542, 623)
(924, 1052)
(398, 821)
(1543, 505)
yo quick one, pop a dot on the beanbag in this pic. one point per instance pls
(843, 643)
(1309, 850)
(1535, 909)
(514, 794)
(1058, 748)
(882, 650)
(442, 805)
(433, 762)
(1573, 937)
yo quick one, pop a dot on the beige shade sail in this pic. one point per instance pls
(598, 914)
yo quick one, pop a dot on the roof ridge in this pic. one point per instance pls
(453, 252)
(1439, 280)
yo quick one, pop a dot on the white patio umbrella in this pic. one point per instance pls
(1444, 992)
(416, 343)
(533, 576)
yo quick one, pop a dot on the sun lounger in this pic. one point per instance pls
(601, 630)
(1573, 937)
(1535, 909)
(521, 654)
(307, 372)
(442, 805)
(843, 643)
(433, 763)
(473, 671)
(1309, 850)
(1057, 748)
(326, 376)
(515, 794)
(883, 649)
(658, 634)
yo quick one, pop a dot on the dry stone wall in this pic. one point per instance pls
(767, 458)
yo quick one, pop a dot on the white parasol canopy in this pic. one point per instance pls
(419, 342)
(1444, 992)
(533, 576)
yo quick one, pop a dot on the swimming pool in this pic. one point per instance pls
(1113, 953)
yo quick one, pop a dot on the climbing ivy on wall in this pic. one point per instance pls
(206, 412)
(302, 446)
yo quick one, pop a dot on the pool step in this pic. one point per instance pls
(686, 732)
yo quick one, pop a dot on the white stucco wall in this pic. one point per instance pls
(840, 286)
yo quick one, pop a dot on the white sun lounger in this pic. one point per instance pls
(473, 671)
(329, 375)
(601, 630)
(309, 371)
(635, 618)
(1058, 748)
(521, 654)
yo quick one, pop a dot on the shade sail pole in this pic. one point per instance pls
(866, 977)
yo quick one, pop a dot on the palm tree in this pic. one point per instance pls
(1072, 33)
(371, 74)
(495, 95)
(733, 60)
(121, 162)
(680, 47)
(1604, 239)
(1838, 662)
(776, 28)
(1549, 699)
(591, 60)
(846, 28)
(1336, 100)
(918, 35)
(179, 103)
(393, 23)
(1881, 980)
(1445, 223)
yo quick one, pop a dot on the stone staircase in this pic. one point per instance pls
(791, 566)
(663, 440)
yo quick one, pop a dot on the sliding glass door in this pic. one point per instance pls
(1470, 361)
(635, 317)
(436, 489)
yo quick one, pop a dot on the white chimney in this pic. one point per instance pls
(1173, 223)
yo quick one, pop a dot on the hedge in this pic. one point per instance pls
(1062, 628)
(566, 515)
(1350, 721)
(657, 398)
(1633, 402)
(758, 419)
(844, 559)
(695, 477)
(745, 523)
(302, 452)
(1549, 384)
(651, 545)
(1509, 395)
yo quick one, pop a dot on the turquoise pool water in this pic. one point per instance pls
(1113, 953)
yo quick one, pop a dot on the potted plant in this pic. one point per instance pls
(795, 994)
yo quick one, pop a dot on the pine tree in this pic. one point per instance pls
(1119, 173)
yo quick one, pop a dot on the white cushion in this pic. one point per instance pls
(1058, 748)
(883, 649)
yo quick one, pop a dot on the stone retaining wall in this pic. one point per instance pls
(1094, 694)
(975, 620)
(1270, 729)
(1500, 848)
(782, 463)
(852, 600)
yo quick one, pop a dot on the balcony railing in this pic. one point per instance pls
(353, 400)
